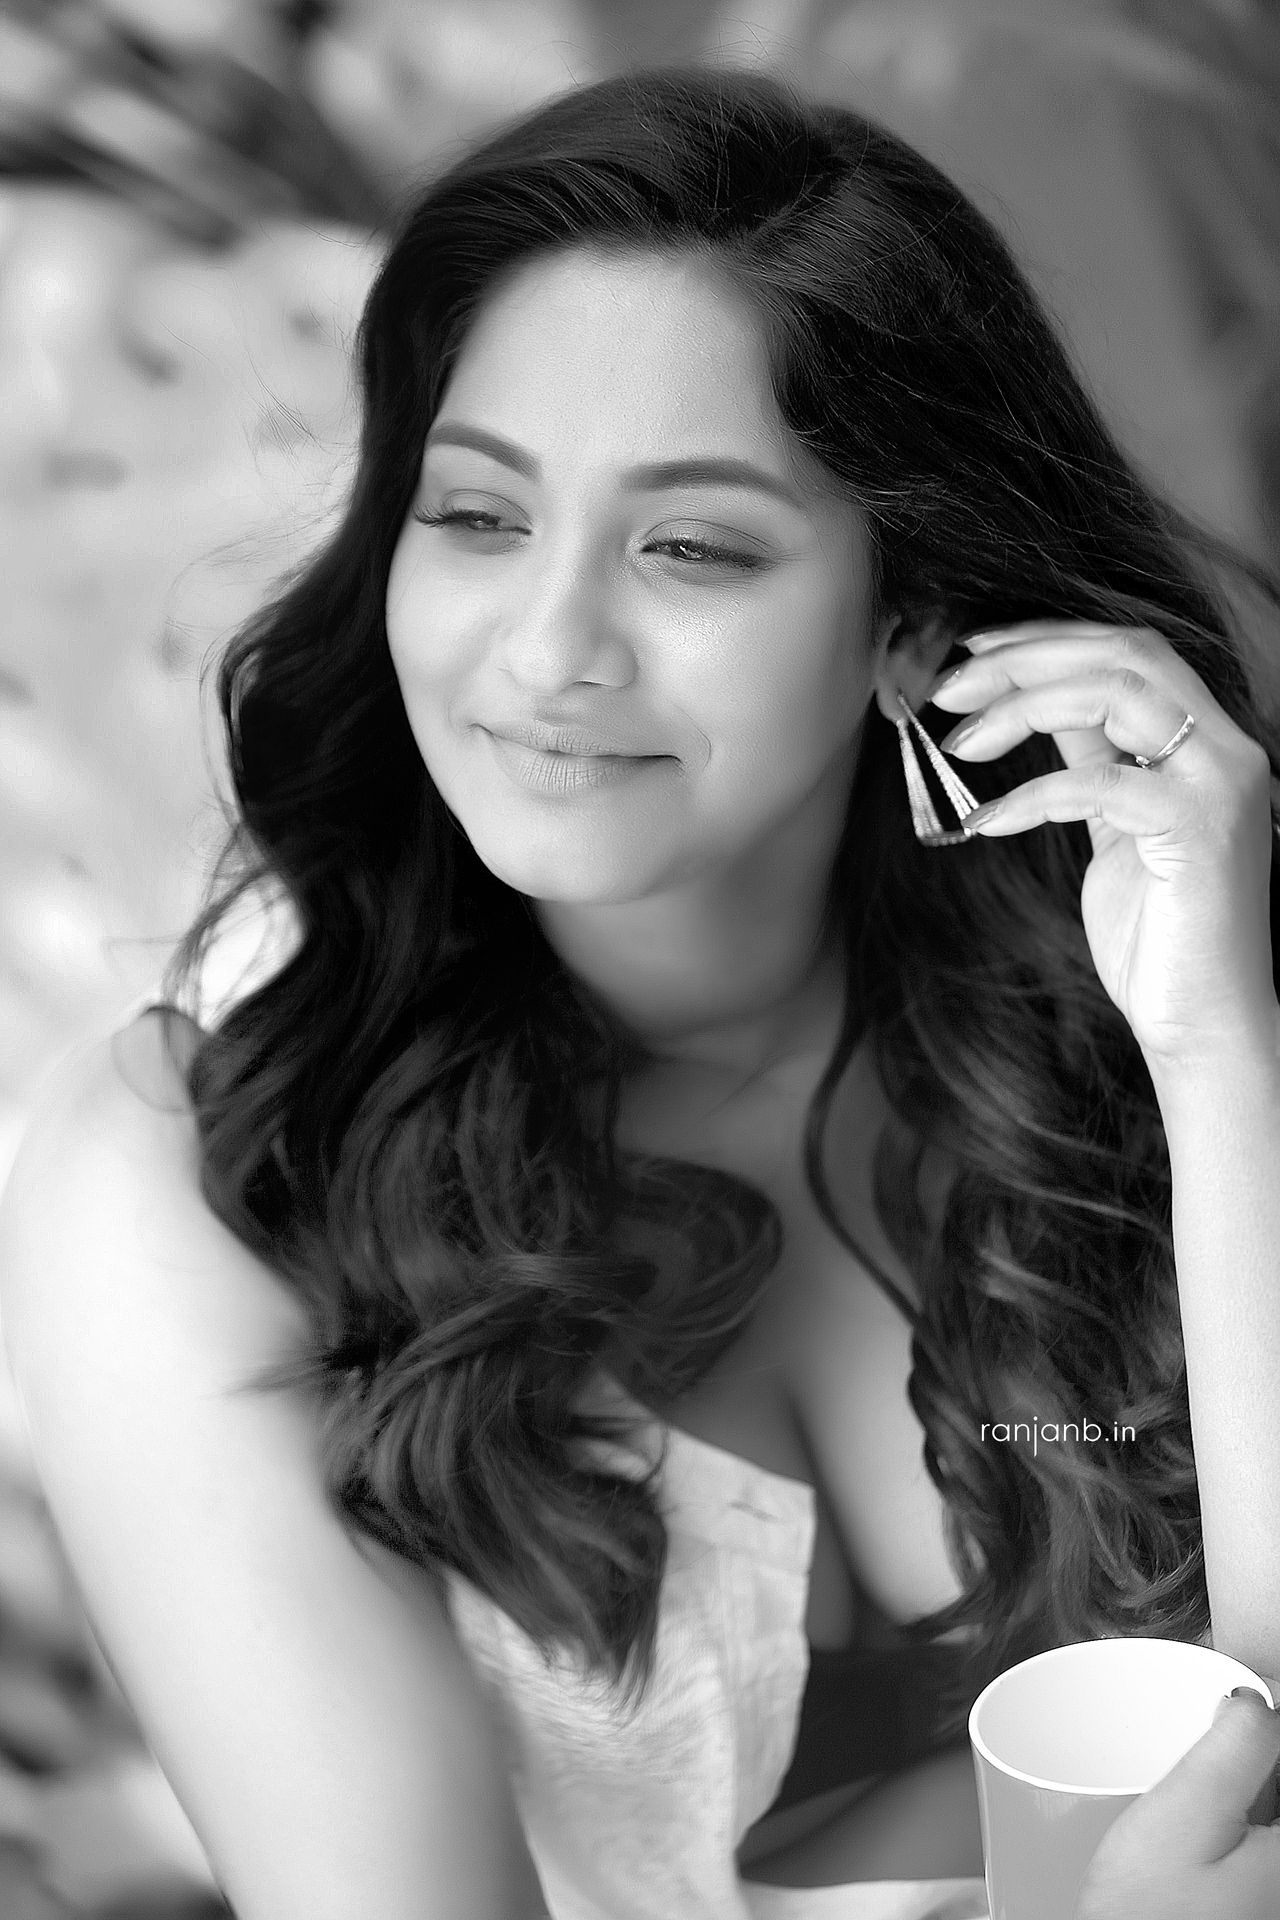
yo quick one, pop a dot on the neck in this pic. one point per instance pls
(736, 972)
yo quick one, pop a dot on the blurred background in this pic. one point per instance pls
(191, 198)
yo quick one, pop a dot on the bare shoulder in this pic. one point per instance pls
(103, 1213)
(122, 1097)
(304, 1691)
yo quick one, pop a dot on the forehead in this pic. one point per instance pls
(619, 358)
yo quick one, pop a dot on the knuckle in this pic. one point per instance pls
(1135, 645)
(1128, 680)
(1110, 776)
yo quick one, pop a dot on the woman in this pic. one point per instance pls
(667, 1128)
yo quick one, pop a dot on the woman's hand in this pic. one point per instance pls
(1185, 1850)
(1175, 901)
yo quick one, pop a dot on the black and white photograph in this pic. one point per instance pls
(639, 1015)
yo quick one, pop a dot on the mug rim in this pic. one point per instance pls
(980, 1747)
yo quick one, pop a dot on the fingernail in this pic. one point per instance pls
(944, 680)
(981, 814)
(1246, 1693)
(1249, 1693)
(957, 734)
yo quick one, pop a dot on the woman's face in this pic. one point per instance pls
(628, 614)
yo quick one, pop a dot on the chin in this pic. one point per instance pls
(572, 875)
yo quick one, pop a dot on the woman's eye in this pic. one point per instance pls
(706, 553)
(686, 548)
(469, 519)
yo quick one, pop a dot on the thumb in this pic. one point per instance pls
(1211, 1789)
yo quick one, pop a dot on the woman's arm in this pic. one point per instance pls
(311, 1706)
(919, 1824)
(1222, 1123)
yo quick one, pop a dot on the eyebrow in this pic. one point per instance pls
(706, 470)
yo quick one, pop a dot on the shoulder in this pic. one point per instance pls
(303, 1689)
(105, 1235)
(108, 1102)
(113, 1095)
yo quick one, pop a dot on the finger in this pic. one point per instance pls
(1205, 1798)
(1050, 628)
(1108, 713)
(984, 675)
(1023, 656)
(1038, 652)
(1112, 794)
(1266, 1805)
(1139, 647)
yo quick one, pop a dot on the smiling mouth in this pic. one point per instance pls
(581, 753)
(561, 771)
(564, 743)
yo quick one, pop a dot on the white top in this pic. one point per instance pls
(636, 1814)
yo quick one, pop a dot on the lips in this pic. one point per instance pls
(560, 775)
(568, 741)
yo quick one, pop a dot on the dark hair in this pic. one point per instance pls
(395, 1121)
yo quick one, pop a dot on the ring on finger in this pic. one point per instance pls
(1170, 746)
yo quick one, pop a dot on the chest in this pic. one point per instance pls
(815, 1387)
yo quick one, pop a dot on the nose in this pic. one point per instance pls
(565, 629)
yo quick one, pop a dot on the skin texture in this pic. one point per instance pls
(689, 893)
(1187, 1849)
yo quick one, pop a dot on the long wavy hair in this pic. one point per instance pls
(396, 1122)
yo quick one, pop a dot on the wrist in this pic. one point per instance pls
(1242, 1067)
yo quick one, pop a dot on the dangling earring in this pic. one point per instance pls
(928, 828)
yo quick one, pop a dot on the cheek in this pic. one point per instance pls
(402, 615)
(792, 694)
(425, 652)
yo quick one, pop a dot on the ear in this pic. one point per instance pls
(909, 653)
